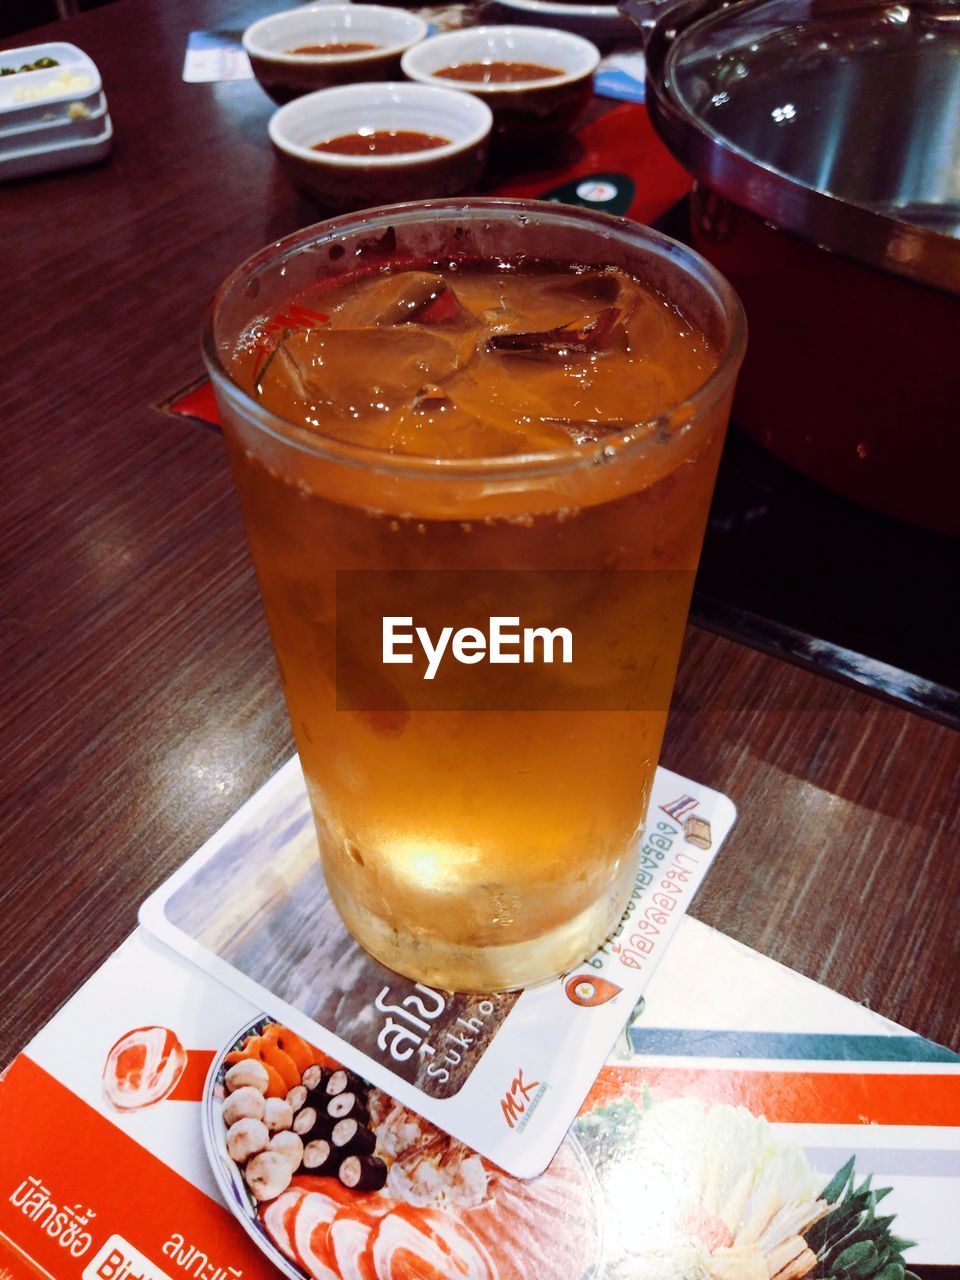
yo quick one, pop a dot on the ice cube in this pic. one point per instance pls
(399, 298)
(280, 368)
(495, 414)
(652, 327)
(554, 400)
(574, 339)
(436, 426)
(354, 372)
(442, 306)
(536, 301)
(590, 290)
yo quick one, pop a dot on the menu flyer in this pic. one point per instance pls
(504, 1072)
(749, 1125)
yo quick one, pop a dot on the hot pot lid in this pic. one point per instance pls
(839, 121)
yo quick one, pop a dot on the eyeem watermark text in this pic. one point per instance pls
(504, 642)
(410, 640)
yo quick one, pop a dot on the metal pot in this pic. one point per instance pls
(825, 139)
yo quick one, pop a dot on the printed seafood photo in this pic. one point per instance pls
(334, 1180)
(711, 1192)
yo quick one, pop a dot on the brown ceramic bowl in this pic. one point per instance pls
(527, 110)
(341, 181)
(272, 46)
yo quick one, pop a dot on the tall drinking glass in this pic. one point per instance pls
(476, 825)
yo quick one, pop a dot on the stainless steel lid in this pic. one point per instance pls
(837, 120)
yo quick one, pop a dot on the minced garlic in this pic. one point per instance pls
(63, 82)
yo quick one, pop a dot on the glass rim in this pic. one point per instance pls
(618, 446)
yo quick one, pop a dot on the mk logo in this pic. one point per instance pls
(514, 1101)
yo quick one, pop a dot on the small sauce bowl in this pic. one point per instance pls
(285, 74)
(525, 111)
(341, 181)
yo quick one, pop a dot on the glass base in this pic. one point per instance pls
(450, 967)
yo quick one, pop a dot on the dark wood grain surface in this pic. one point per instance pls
(140, 699)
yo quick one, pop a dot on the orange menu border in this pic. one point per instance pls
(91, 1166)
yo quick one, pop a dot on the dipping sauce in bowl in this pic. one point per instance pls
(498, 72)
(335, 47)
(536, 81)
(316, 46)
(382, 142)
(363, 145)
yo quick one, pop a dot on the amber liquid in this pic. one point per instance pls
(382, 142)
(477, 849)
(336, 47)
(499, 72)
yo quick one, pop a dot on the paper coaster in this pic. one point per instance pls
(215, 55)
(504, 1073)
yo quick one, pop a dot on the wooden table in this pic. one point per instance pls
(140, 700)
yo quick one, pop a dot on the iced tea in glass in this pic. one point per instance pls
(478, 419)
